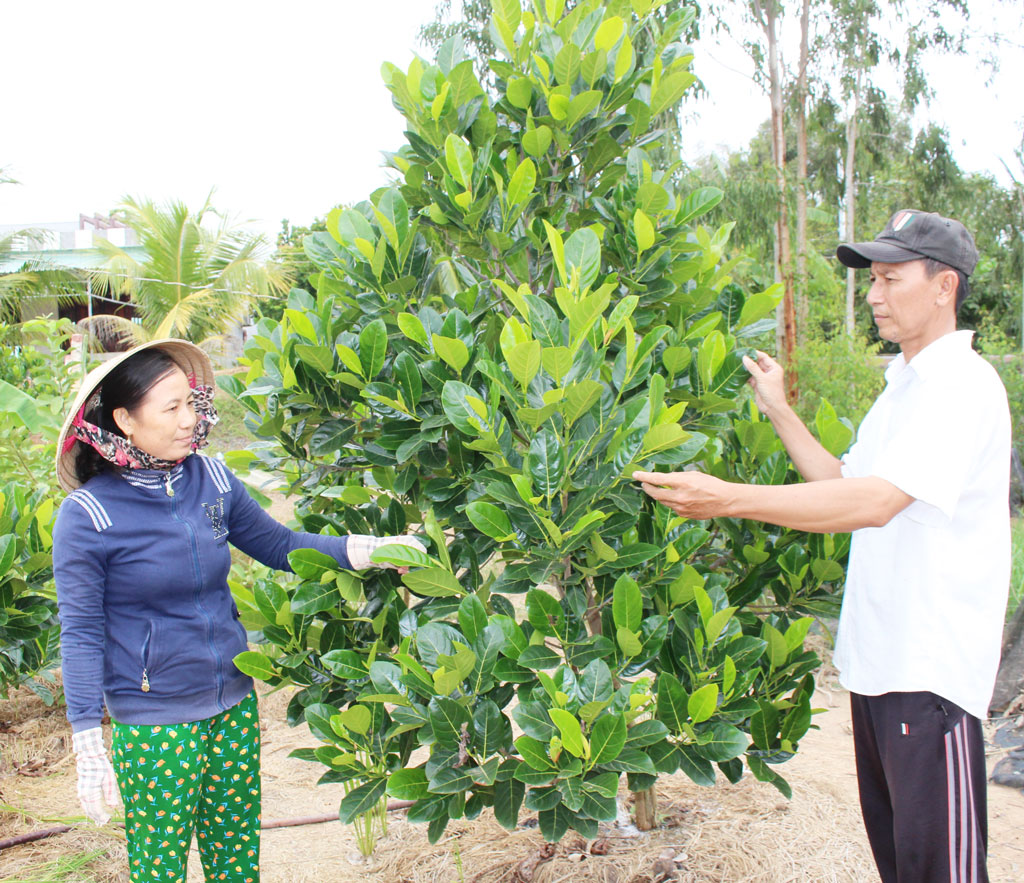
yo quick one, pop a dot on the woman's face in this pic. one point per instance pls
(162, 424)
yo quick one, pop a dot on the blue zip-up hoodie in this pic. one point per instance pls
(147, 619)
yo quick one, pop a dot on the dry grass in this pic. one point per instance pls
(728, 834)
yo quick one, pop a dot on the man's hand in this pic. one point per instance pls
(690, 494)
(768, 380)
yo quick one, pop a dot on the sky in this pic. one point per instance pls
(281, 110)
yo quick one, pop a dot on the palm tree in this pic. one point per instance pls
(33, 276)
(198, 277)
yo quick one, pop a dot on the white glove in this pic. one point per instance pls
(96, 781)
(360, 547)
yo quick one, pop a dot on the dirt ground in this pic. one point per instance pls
(730, 833)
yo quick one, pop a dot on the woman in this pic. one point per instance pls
(148, 625)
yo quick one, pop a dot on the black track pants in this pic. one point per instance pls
(921, 774)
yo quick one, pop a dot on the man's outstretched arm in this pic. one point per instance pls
(825, 506)
(812, 460)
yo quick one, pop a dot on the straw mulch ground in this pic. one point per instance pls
(730, 833)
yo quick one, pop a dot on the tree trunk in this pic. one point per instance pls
(851, 201)
(645, 809)
(785, 269)
(801, 179)
(1010, 680)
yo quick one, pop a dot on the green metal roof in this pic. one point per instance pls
(68, 258)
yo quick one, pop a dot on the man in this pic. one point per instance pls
(925, 492)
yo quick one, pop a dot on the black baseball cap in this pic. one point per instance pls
(911, 235)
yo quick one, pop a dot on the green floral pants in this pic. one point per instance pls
(202, 776)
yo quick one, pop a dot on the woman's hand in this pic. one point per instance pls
(361, 547)
(96, 781)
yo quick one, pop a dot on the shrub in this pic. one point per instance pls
(495, 344)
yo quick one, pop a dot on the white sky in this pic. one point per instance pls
(281, 107)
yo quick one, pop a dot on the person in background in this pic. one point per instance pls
(925, 491)
(148, 624)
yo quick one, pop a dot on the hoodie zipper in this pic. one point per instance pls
(144, 654)
(197, 595)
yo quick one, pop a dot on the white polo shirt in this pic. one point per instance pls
(926, 595)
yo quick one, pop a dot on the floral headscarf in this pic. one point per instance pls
(119, 451)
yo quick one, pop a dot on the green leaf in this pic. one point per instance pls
(643, 229)
(452, 350)
(535, 753)
(608, 33)
(256, 665)
(315, 597)
(490, 729)
(458, 157)
(361, 800)
(595, 683)
(580, 398)
(433, 582)
(764, 773)
(760, 305)
(570, 730)
(698, 203)
(472, 617)
(311, 563)
(508, 797)
(721, 742)
(345, 664)
(373, 346)
(407, 374)
(519, 92)
(572, 792)
(490, 520)
(457, 400)
(547, 462)
(557, 251)
(554, 823)
(764, 725)
(538, 657)
(401, 556)
(580, 106)
(319, 357)
(703, 702)
(632, 760)
(670, 90)
(627, 604)
(508, 12)
(537, 141)
(447, 718)
(532, 718)
(607, 738)
(671, 703)
(583, 252)
(524, 361)
(356, 719)
(628, 642)
(412, 327)
(408, 784)
(524, 179)
(18, 404)
(698, 768)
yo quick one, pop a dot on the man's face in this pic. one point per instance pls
(904, 300)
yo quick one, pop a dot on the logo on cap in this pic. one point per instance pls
(901, 221)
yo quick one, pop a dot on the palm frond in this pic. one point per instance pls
(111, 334)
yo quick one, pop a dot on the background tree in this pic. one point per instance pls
(200, 272)
(34, 277)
